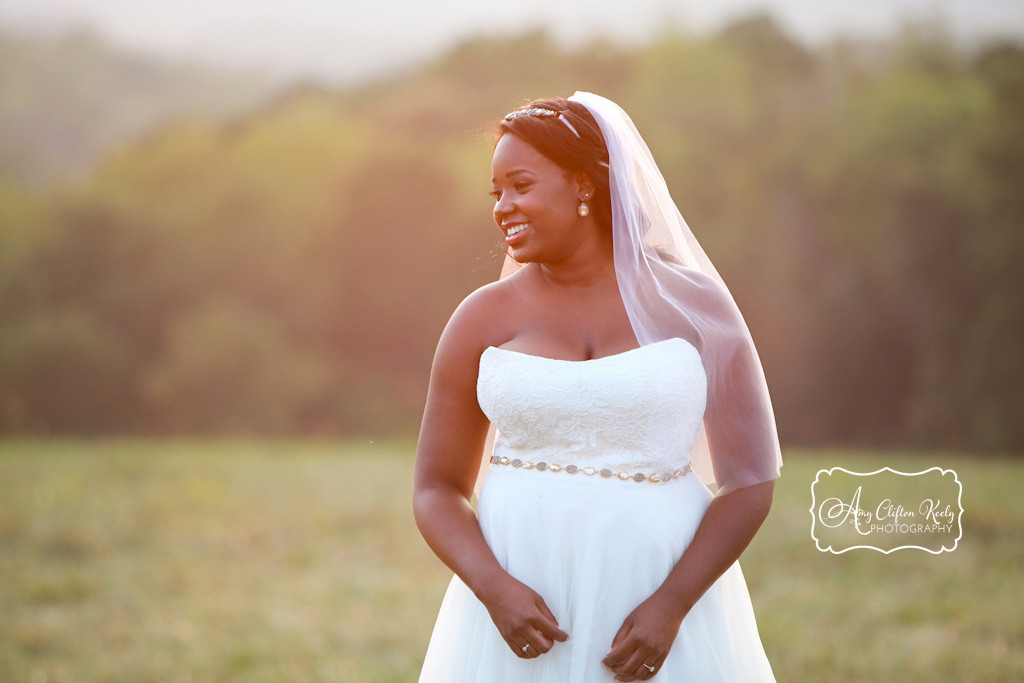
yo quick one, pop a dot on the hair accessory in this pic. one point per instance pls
(583, 210)
(538, 111)
(530, 111)
(561, 117)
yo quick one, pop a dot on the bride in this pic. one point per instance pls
(618, 373)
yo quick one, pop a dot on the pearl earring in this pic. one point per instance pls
(583, 210)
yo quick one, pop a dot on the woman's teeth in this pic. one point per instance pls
(516, 229)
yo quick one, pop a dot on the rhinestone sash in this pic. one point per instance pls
(604, 473)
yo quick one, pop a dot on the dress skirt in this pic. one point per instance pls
(593, 549)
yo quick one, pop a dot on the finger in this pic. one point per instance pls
(625, 677)
(647, 670)
(631, 668)
(655, 666)
(549, 625)
(522, 649)
(548, 631)
(539, 641)
(619, 651)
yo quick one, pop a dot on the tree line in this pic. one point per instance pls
(289, 271)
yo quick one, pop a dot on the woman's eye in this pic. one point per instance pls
(520, 187)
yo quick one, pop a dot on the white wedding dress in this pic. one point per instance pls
(570, 508)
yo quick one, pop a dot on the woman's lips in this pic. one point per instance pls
(516, 233)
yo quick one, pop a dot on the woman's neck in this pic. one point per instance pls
(592, 264)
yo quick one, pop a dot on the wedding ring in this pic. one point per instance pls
(649, 668)
(525, 647)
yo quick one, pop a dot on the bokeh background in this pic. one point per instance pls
(231, 233)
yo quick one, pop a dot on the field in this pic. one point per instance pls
(139, 560)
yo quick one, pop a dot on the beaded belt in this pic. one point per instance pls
(605, 473)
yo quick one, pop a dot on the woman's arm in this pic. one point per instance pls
(741, 430)
(728, 526)
(448, 457)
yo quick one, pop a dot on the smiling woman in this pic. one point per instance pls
(536, 203)
(609, 359)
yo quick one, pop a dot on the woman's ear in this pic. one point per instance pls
(584, 186)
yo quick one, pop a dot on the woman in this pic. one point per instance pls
(615, 366)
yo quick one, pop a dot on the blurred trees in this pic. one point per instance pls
(64, 101)
(290, 271)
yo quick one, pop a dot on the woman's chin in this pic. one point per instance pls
(522, 255)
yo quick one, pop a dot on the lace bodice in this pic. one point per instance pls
(637, 410)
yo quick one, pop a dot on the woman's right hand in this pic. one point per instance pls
(453, 436)
(522, 618)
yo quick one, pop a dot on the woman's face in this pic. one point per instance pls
(535, 202)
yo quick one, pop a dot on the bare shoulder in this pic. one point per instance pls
(481, 320)
(479, 316)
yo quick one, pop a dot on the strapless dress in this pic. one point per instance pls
(589, 500)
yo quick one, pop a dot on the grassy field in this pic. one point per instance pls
(134, 560)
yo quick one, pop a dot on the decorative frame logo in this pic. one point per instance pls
(886, 510)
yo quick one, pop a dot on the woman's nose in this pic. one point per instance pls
(503, 207)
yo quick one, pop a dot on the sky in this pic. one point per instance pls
(346, 41)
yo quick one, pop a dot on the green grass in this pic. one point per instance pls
(137, 560)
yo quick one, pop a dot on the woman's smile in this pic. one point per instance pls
(515, 232)
(534, 202)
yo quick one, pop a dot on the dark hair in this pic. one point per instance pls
(585, 153)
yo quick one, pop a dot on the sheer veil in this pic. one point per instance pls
(671, 289)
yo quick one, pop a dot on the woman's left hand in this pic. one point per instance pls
(642, 644)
